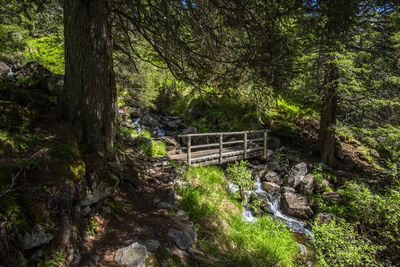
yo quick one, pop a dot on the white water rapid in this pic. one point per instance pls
(295, 225)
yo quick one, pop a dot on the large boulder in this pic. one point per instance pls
(296, 175)
(134, 255)
(271, 187)
(39, 236)
(296, 205)
(306, 185)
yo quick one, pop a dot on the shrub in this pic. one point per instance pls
(337, 244)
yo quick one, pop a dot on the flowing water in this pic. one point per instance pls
(139, 127)
(295, 225)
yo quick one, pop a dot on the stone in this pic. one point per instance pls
(287, 189)
(296, 174)
(272, 177)
(303, 250)
(116, 165)
(273, 142)
(324, 218)
(148, 120)
(322, 186)
(40, 235)
(169, 141)
(306, 185)
(12, 114)
(331, 196)
(131, 111)
(151, 244)
(101, 191)
(274, 166)
(375, 154)
(183, 239)
(4, 69)
(271, 187)
(296, 205)
(134, 255)
(106, 209)
(190, 130)
(86, 211)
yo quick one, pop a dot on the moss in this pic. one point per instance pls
(12, 113)
(72, 166)
(19, 210)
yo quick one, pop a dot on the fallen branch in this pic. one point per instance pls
(10, 187)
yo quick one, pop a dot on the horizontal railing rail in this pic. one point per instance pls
(223, 151)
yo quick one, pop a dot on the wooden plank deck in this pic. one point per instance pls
(207, 154)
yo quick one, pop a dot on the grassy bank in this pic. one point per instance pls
(224, 238)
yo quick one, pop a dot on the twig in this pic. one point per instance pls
(10, 187)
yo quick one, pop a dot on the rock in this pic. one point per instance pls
(40, 235)
(375, 154)
(324, 218)
(169, 141)
(190, 130)
(296, 174)
(287, 189)
(151, 244)
(148, 120)
(306, 185)
(331, 196)
(273, 142)
(272, 177)
(274, 166)
(296, 205)
(4, 69)
(12, 114)
(322, 186)
(116, 165)
(86, 211)
(134, 255)
(303, 250)
(106, 209)
(183, 239)
(131, 111)
(271, 187)
(102, 190)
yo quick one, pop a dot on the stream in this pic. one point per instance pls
(293, 224)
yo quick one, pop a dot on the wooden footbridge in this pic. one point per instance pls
(217, 148)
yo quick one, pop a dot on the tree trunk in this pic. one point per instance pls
(326, 135)
(89, 99)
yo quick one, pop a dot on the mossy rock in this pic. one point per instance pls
(13, 114)
(71, 165)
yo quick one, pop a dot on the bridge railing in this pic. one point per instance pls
(248, 145)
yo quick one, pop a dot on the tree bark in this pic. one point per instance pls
(327, 129)
(89, 98)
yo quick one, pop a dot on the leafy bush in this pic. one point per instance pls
(238, 174)
(377, 214)
(337, 244)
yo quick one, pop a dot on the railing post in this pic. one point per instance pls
(265, 145)
(244, 145)
(221, 140)
(188, 143)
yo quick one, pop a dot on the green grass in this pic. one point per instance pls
(222, 232)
